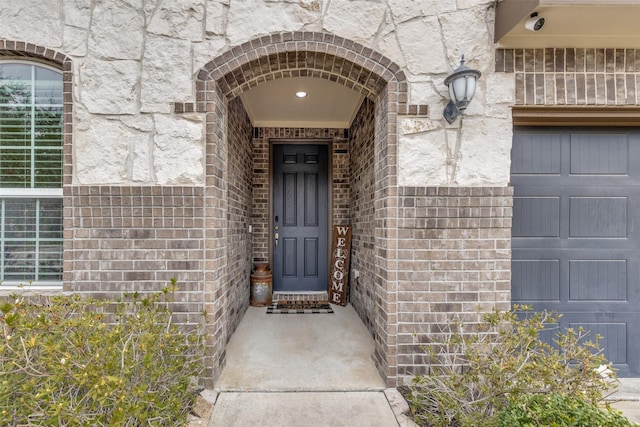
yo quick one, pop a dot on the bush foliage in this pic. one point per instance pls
(478, 370)
(69, 361)
(557, 410)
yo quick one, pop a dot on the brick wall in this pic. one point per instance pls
(239, 214)
(214, 272)
(573, 76)
(123, 239)
(386, 232)
(362, 290)
(260, 206)
(217, 330)
(454, 260)
(262, 180)
(330, 57)
(373, 210)
(341, 188)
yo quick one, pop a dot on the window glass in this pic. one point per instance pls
(30, 160)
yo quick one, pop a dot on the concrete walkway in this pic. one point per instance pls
(317, 370)
(300, 352)
(301, 370)
(317, 409)
(628, 396)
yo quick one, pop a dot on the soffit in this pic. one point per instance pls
(327, 105)
(569, 23)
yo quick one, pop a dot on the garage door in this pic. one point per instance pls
(576, 232)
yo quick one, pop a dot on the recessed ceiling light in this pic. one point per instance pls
(301, 94)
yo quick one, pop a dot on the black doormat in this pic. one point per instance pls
(299, 307)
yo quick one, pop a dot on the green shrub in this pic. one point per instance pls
(553, 409)
(69, 361)
(476, 369)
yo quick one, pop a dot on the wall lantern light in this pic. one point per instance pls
(462, 87)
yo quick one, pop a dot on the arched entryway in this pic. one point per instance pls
(237, 185)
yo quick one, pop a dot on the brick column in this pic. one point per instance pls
(454, 261)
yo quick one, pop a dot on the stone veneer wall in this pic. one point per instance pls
(454, 261)
(573, 76)
(240, 175)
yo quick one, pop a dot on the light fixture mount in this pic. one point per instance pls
(462, 87)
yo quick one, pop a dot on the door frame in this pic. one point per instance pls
(328, 142)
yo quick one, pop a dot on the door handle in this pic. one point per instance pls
(276, 237)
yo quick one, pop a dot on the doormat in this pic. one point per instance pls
(300, 307)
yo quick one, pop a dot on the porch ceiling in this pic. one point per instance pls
(569, 23)
(327, 105)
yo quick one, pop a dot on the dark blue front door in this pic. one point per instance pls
(300, 211)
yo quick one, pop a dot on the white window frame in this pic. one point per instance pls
(33, 193)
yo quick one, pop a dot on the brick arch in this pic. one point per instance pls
(11, 49)
(295, 54)
(300, 54)
(17, 49)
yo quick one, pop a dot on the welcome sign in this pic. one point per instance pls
(340, 256)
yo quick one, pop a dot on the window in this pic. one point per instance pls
(30, 173)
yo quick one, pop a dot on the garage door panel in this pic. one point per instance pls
(580, 277)
(616, 333)
(599, 154)
(619, 333)
(535, 280)
(613, 339)
(537, 154)
(536, 216)
(598, 280)
(598, 217)
(576, 233)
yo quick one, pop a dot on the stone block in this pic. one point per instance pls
(109, 87)
(181, 20)
(75, 41)
(422, 158)
(487, 144)
(216, 17)
(248, 19)
(421, 43)
(32, 21)
(474, 41)
(102, 150)
(166, 74)
(403, 10)
(117, 30)
(178, 150)
(77, 13)
(354, 19)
